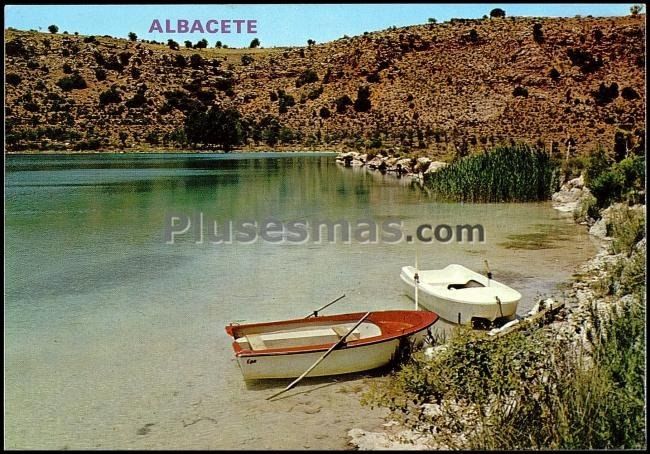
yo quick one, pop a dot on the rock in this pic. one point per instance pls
(375, 162)
(434, 166)
(599, 229)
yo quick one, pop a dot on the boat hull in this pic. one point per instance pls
(458, 311)
(345, 361)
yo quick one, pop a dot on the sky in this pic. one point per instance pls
(277, 25)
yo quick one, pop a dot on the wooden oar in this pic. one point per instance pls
(315, 313)
(416, 278)
(331, 349)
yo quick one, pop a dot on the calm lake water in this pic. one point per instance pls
(115, 339)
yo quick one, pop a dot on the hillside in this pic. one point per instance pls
(433, 89)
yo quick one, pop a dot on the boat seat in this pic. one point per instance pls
(342, 331)
(256, 342)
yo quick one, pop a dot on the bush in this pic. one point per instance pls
(246, 60)
(315, 94)
(254, 43)
(73, 82)
(100, 74)
(554, 74)
(373, 78)
(110, 96)
(138, 100)
(362, 103)
(173, 45)
(538, 34)
(132, 36)
(324, 112)
(520, 91)
(202, 44)
(307, 77)
(584, 60)
(605, 94)
(67, 69)
(342, 103)
(53, 29)
(13, 79)
(627, 227)
(196, 61)
(629, 93)
(179, 61)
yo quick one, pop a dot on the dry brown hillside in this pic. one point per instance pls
(433, 88)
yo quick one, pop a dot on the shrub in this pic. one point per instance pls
(100, 74)
(342, 103)
(67, 69)
(629, 93)
(362, 103)
(254, 43)
(284, 101)
(202, 44)
(173, 45)
(373, 77)
(538, 34)
(73, 82)
(618, 182)
(605, 94)
(311, 42)
(315, 94)
(188, 44)
(196, 61)
(31, 64)
(554, 74)
(132, 36)
(520, 91)
(246, 60)
(584, 60)
(627, 228)
(218, 44)
(13, 79)
(53, 29)
(324, 112)
(90, 39)
(307, 77)
(179, 61)
(110, 96)
(138, 100)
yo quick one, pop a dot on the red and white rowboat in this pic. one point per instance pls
(285, 349)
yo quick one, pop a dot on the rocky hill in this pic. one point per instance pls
(432, 89)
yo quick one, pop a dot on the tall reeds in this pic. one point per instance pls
(516, 173)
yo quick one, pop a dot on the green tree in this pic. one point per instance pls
(188, 44)
(497, 12)
(133, 36)
(202, 44)
(53, 29)
(218, 45)
(216, 127)
(432, 20)
(255, 43)
(173, 45)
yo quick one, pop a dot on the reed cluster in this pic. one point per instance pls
(516, 173)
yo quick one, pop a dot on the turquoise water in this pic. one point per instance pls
(114, 338)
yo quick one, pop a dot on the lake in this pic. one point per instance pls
(115, 338)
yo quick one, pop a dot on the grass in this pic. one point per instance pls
(506, 174)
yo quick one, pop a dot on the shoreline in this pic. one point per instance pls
(581, 309)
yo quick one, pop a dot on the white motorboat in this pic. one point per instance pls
(459, 294)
